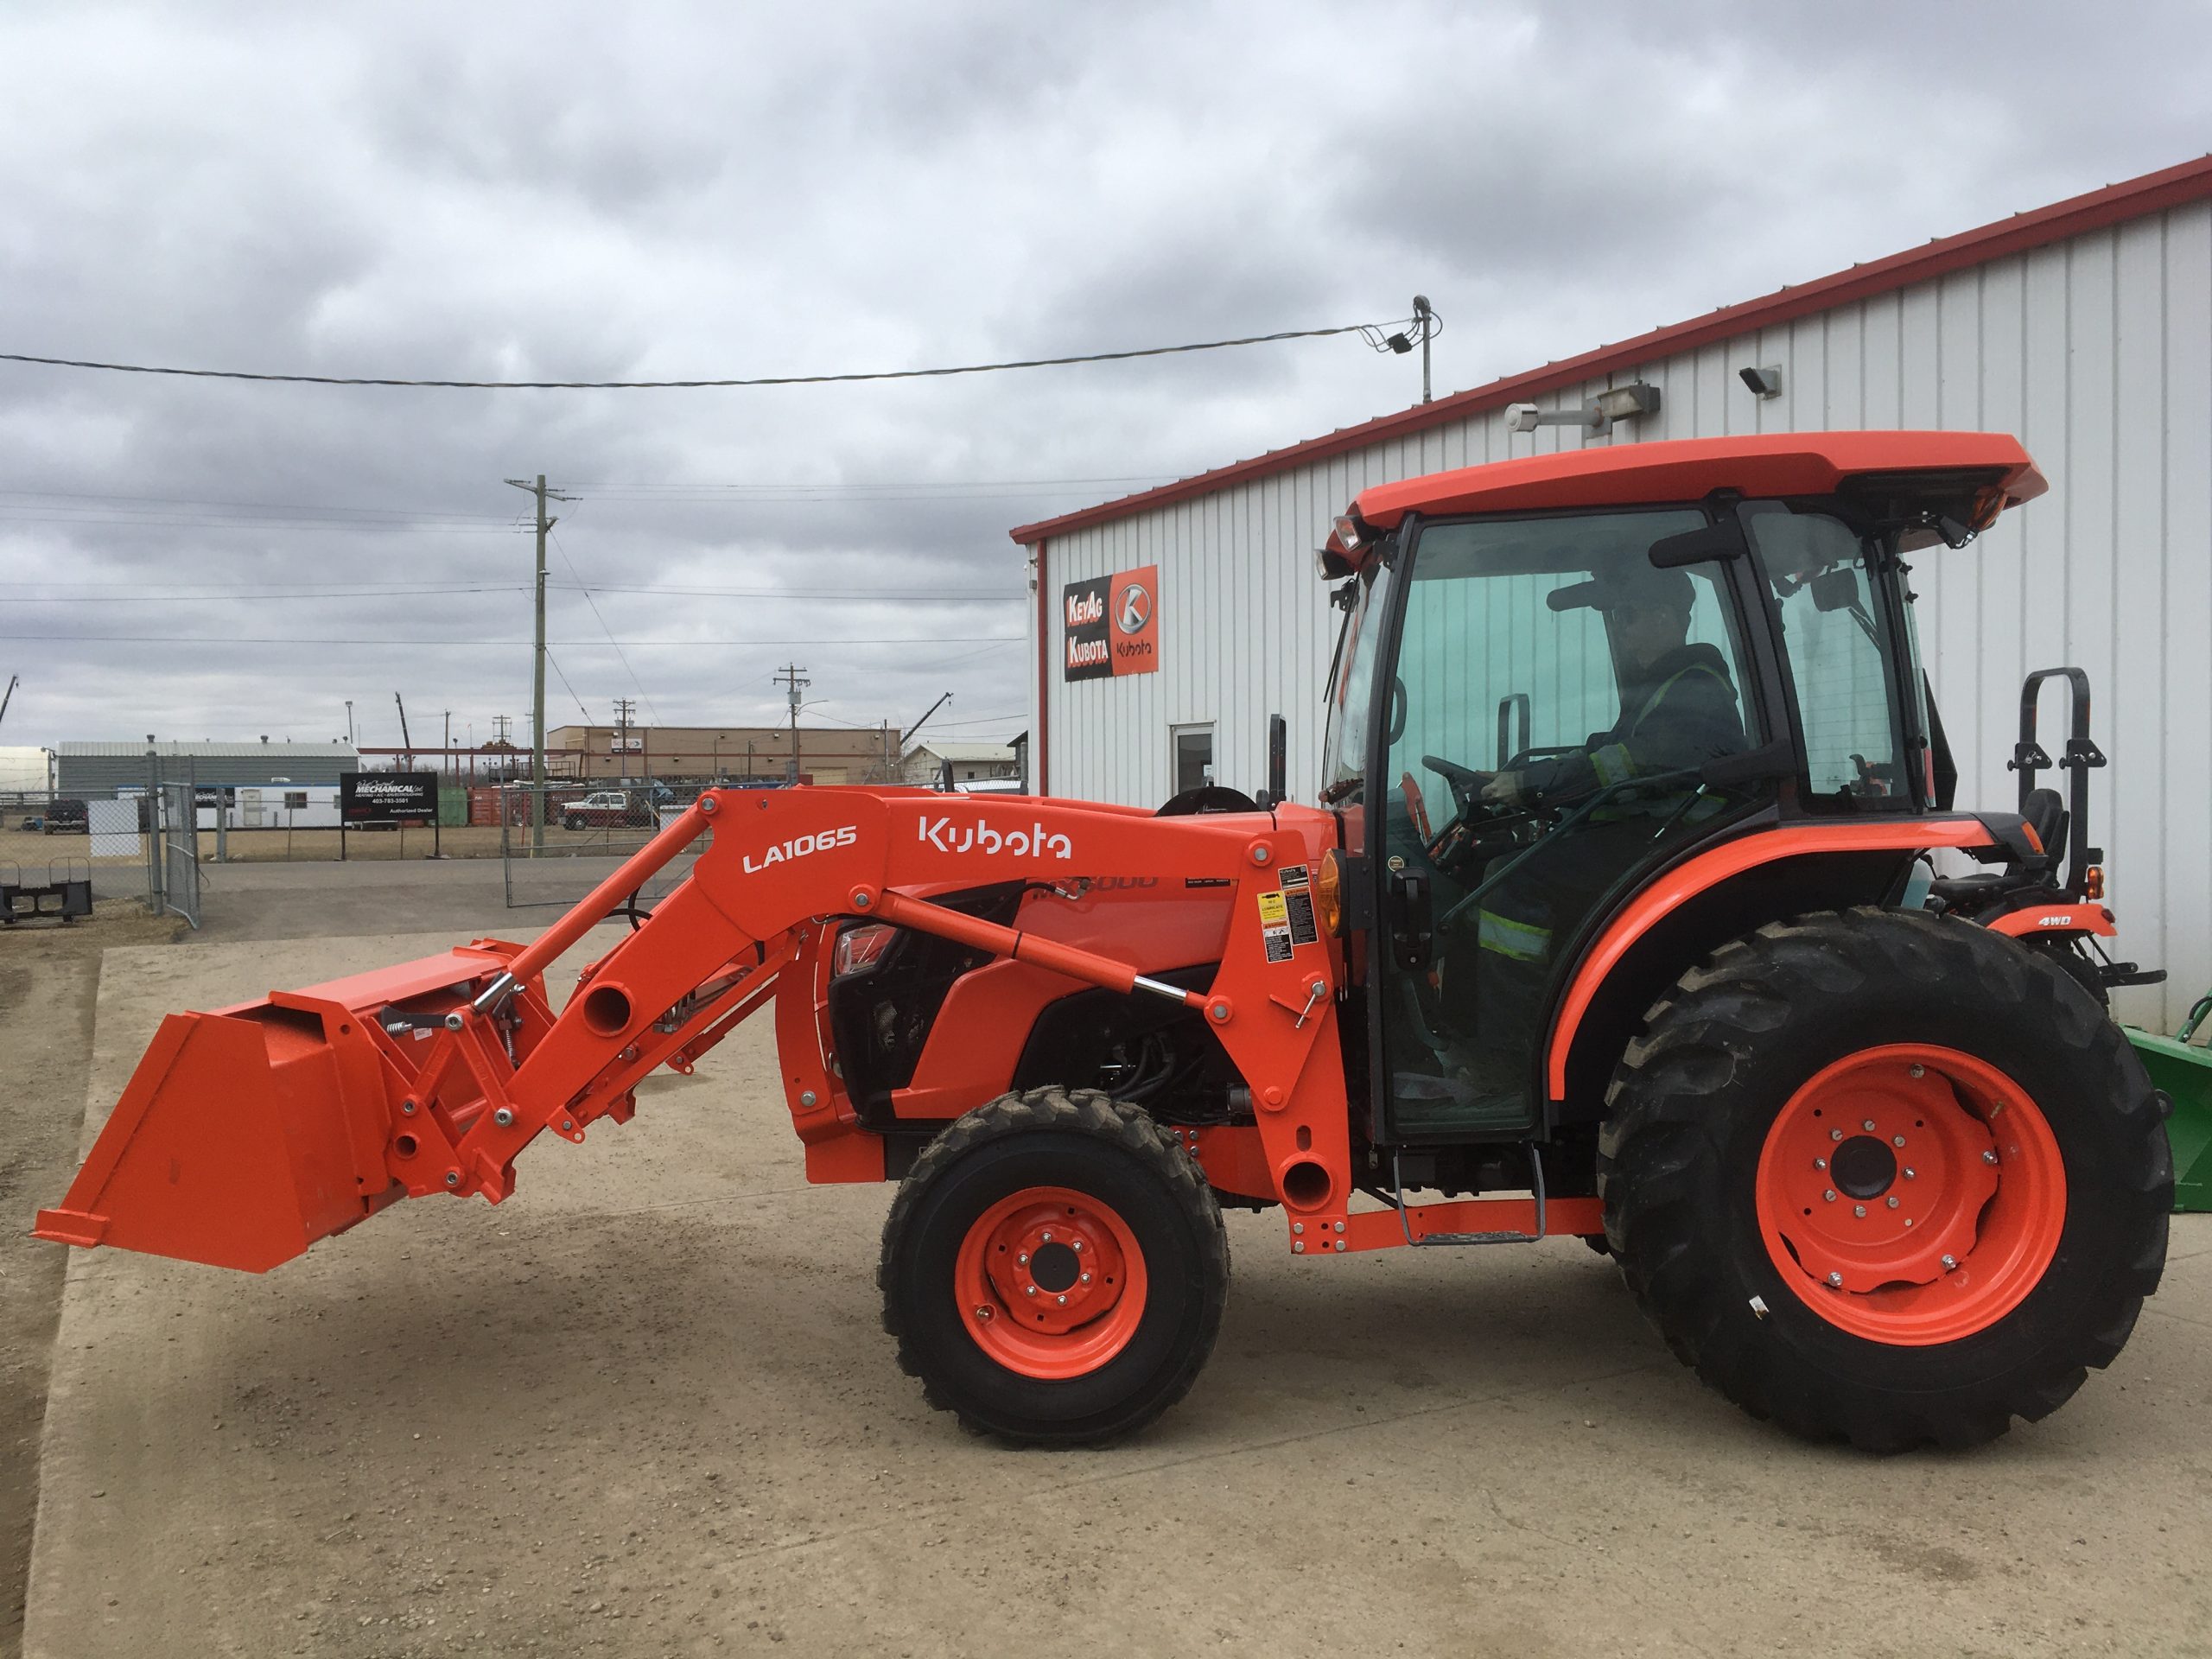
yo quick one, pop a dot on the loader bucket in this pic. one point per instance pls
(2184, 1071)
(246, 1135)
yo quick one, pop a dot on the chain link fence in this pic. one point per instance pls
(132, 841)
(48, 837)
(558, 841)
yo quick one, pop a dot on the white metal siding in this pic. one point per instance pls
(2096, 351)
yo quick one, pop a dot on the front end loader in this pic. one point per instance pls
(1614, 919)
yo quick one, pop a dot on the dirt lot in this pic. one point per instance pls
(645, 1407)
(49, 976)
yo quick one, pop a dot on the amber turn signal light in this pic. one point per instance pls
(1329, 892)
(2092, 881)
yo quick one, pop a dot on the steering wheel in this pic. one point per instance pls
(1451, 846)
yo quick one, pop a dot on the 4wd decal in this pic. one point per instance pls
(981, 837)
(799, 846)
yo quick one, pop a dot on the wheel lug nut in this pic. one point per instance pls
(1919, 1071)
(1075, 1244)
(1021, 1258)
(1048, 1238)
(1829, 1195)
(1910, 1173)
(1835, 1134)
(1891, 1202)
(1867, 1125)
(1835, 1279)
(1988, 1157)
(1064, 1301)
(1896, 1140)
(1858, 1209)
(1819, 1163)
(983, 1315)
(1086, 1278)
(1949, 1262)
(1029, 1290)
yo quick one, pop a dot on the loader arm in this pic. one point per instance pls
(248, 1133)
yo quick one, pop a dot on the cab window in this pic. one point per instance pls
(1840, 655)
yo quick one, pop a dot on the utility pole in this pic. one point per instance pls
(537, 489)
(8, 695)
(349, 723)
(1425, 318)
(623, 709)
(789, 676)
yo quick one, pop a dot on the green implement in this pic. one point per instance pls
(2184, 1071)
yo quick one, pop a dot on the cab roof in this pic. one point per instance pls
(1689, 469)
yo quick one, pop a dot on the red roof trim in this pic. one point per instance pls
(2153, 193)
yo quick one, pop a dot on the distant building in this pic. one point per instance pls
(103, 769)
(835, 754)
(25, 771)
(971, 763)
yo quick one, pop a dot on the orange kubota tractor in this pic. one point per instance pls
(1615, 918)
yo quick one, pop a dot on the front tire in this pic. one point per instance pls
(1054, 1269)
(1958, 1265)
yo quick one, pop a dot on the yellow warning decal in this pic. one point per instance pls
(1274, 910)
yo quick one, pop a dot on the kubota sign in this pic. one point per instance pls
(1111, 625)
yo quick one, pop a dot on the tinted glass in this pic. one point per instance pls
(1838, 653)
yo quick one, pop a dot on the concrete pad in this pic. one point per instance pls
(646, 1407)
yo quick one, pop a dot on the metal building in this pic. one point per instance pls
(2085, 328)
(95, 770)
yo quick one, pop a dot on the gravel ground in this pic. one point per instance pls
(645, 1407)
(49, 978)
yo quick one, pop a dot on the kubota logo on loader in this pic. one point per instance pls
(980, 838)
(800, 846)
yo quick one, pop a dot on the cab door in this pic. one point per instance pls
(1512, 655)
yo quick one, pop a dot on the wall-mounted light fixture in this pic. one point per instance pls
(1763, 383)
(1616, 404)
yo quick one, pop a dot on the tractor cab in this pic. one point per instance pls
(1536, 712)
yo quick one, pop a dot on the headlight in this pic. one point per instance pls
(856, 947)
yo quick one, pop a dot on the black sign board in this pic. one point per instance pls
(1087, 654)
(212, 795)
(388, 796)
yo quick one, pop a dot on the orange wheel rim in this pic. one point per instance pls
(1911, 1194)
(1050, 1282)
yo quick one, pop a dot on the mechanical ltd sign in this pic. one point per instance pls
(1111, 625)
(388, 796)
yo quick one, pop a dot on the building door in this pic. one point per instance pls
(1193, 747)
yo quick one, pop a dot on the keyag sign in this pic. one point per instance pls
(1111, 625)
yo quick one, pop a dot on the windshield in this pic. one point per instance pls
(1344, 749)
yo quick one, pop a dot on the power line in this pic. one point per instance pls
(916, 484)
(257, 596)
(579, 645)
(1373, 332)
(565, 686)
(254, 506)
(608, 631)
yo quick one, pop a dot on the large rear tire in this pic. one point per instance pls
(1054, 1269)
(1927, 1279)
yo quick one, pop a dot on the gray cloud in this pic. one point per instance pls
(511, 192)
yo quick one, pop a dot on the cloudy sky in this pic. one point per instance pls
(662, 192)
